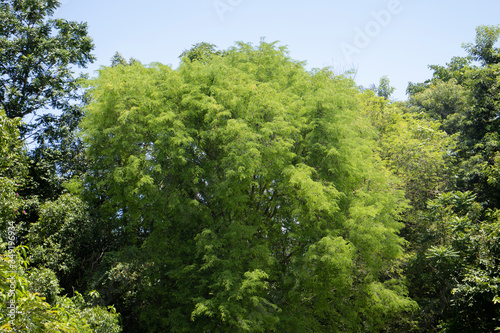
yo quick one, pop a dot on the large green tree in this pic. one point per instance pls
(30, 300)
(247, 195)
(38, 56)
(465, 96)
(453, 271)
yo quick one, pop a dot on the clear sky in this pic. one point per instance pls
(397, 38)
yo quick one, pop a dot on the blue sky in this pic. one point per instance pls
(397, 38)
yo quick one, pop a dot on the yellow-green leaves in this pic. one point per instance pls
(24, 309)
(253, 184)
(12, 167)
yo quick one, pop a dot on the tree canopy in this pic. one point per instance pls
(36, 54)
(252, 188)
(240, 192)
(456, 244)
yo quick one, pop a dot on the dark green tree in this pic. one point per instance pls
(384, 88)
(444, 101)
(36, 55)
(454, 273)
(453, 268)
(465, 97)
(484, 49)
(119, 60)
(201, 52)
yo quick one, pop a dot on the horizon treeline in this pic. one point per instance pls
(240, 192)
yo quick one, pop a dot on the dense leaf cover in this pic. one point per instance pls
(240, 192)
(251, 191)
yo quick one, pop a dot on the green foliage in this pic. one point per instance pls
(384, 88)
(465, 98)
(413, 147)
(483, 50)
(251, 192)
(242, 193)
(203, 52)
(444, 101)
(30, 303)
(43, 282)
(67, 240)
(119, 60)
(99, 318)
(36, 55)
(456, 270)
(451, 269)
(12, 168)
